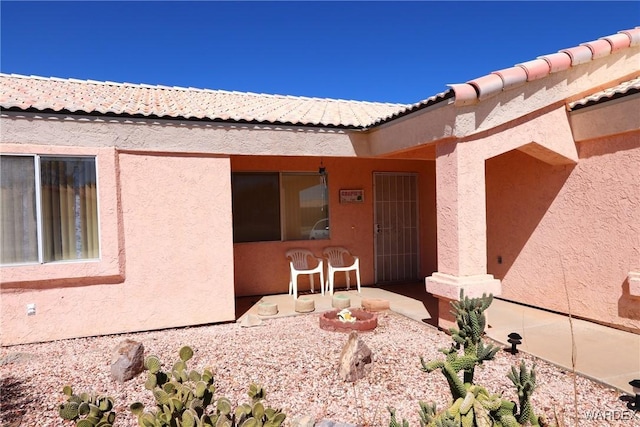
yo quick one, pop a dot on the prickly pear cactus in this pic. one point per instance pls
(186, 398)
(87, 410)
(179, 394)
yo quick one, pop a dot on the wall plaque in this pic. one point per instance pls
(351, 196)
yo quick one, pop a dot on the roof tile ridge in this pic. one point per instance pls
(482, 87)
(633, 34)
(599, 48)
(326, 99)
(22, 76)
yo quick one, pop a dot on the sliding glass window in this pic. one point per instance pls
(279, 206)
(49, 209)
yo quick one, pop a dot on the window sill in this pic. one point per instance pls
(61, 274)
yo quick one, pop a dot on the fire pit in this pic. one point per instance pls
(351, 320)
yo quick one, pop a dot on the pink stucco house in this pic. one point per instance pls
(133, 207)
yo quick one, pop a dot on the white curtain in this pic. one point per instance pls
(19, 242)
(69, 209)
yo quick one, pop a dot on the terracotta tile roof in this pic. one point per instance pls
(629, 87)
(109, 98)
(484, 87)
(92, 97)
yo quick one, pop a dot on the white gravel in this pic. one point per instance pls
(296, 362)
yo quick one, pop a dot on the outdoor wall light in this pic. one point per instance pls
(322, 171)
(635, 404)
(514, 339)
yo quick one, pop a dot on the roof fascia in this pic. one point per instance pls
(138, 117)
(606, 118)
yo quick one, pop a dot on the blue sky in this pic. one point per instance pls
(369, 51)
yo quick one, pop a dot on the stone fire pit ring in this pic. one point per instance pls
(365, 321)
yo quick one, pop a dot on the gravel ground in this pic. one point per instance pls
(296, 362)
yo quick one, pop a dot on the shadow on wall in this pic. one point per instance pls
(520, 190)
(606, 146)
(628, 305)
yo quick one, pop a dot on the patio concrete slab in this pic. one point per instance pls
(604, 354)
(408, 307)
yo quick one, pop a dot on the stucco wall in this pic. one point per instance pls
(178, 238)
(568, 229)
(261, 268)
(165, 222)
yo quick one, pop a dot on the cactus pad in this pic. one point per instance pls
(67, 390)
(152, 363)
(68, 410)
(186, 353)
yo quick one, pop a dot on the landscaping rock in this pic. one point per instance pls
(127, 361)
(354, 358)
(306, 421)
(250, 320)
(329, 423)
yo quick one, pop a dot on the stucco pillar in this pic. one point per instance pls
(462, 228)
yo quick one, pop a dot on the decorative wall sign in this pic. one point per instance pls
(351, 196)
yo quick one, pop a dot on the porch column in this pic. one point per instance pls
(462, 228)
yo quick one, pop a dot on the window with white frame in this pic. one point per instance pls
(48, 209)
(272, 206)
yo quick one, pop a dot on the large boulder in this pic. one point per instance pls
(354, 358)
(127, 361)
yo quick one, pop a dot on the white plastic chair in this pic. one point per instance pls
(338, 260)
(299, 264)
